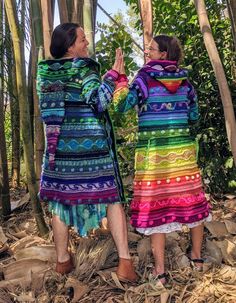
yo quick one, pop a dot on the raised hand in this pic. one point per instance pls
(119, 62)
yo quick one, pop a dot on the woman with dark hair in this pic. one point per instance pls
(168, 189)
(80, 175)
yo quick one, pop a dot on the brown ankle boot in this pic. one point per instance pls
(125, 271)
(65, 267)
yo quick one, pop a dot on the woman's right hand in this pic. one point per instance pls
(119, 62)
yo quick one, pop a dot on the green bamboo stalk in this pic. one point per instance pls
(15, 111)
(63, 11)
(4, 178)
(10, 7)
(88, 18)
(47, 21)
(36, 47)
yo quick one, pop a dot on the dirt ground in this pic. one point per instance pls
(27, 262)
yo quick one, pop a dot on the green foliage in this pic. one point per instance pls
(179, 18)
(111, 38)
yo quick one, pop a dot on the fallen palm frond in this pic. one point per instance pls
(92, 255)
(5, 297)
(79, 289)
(23, 268)
(27, 242)
(44, 253)
(209, 289)
(27, 264)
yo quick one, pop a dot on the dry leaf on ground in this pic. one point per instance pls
(231, 204)
(216, 228)
(3, 238)
(228, 249)
(214, 252)
(231, 226)
(179, 258)
(5, 297)
(27, 242)
(133, 237)
(44, 253)
(24, 268)
(80, 289)
(144, 249)
(25, 298)
(22, 201)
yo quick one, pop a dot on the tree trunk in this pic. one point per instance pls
(76, 11)
(36, 45)
(53, 4)
(219, 73)
(4, 178)
(15, 113)
(145, 7)
(70, 9)
(36, 23)
(15, 131)
(30, 94)
(24, 114)
(47, 18)
(23, 15)
(231, 5)
(89, 18)
(63, 11)
(39, 132)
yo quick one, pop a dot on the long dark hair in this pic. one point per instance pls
(171, 46)
(63, 36)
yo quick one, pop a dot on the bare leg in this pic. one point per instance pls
(197, 238)
(118, 227)
(158, 250)
(61, 237)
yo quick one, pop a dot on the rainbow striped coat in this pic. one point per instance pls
(167, 184)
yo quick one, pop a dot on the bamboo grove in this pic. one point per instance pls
(26, 27)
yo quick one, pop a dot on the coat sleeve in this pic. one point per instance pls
(127, 97)
(97, 93)
(193, 113)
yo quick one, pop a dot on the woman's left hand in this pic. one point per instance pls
(119, 62)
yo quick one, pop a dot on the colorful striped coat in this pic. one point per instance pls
(167, 185)
(80, 164)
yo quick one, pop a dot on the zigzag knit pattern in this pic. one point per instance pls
(167, 184)
(80, 165)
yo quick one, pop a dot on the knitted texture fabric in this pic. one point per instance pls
(167, 184)
(80, 164)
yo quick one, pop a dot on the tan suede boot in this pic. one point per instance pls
(125, 271)
(65, 267)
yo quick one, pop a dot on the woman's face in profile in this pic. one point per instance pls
(153, 52)
(80, 47)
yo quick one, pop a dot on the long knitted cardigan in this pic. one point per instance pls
(80, 163)
(167, 184)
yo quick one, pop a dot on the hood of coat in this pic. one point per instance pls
(66, 64)
(53, 74)
(167, 72)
